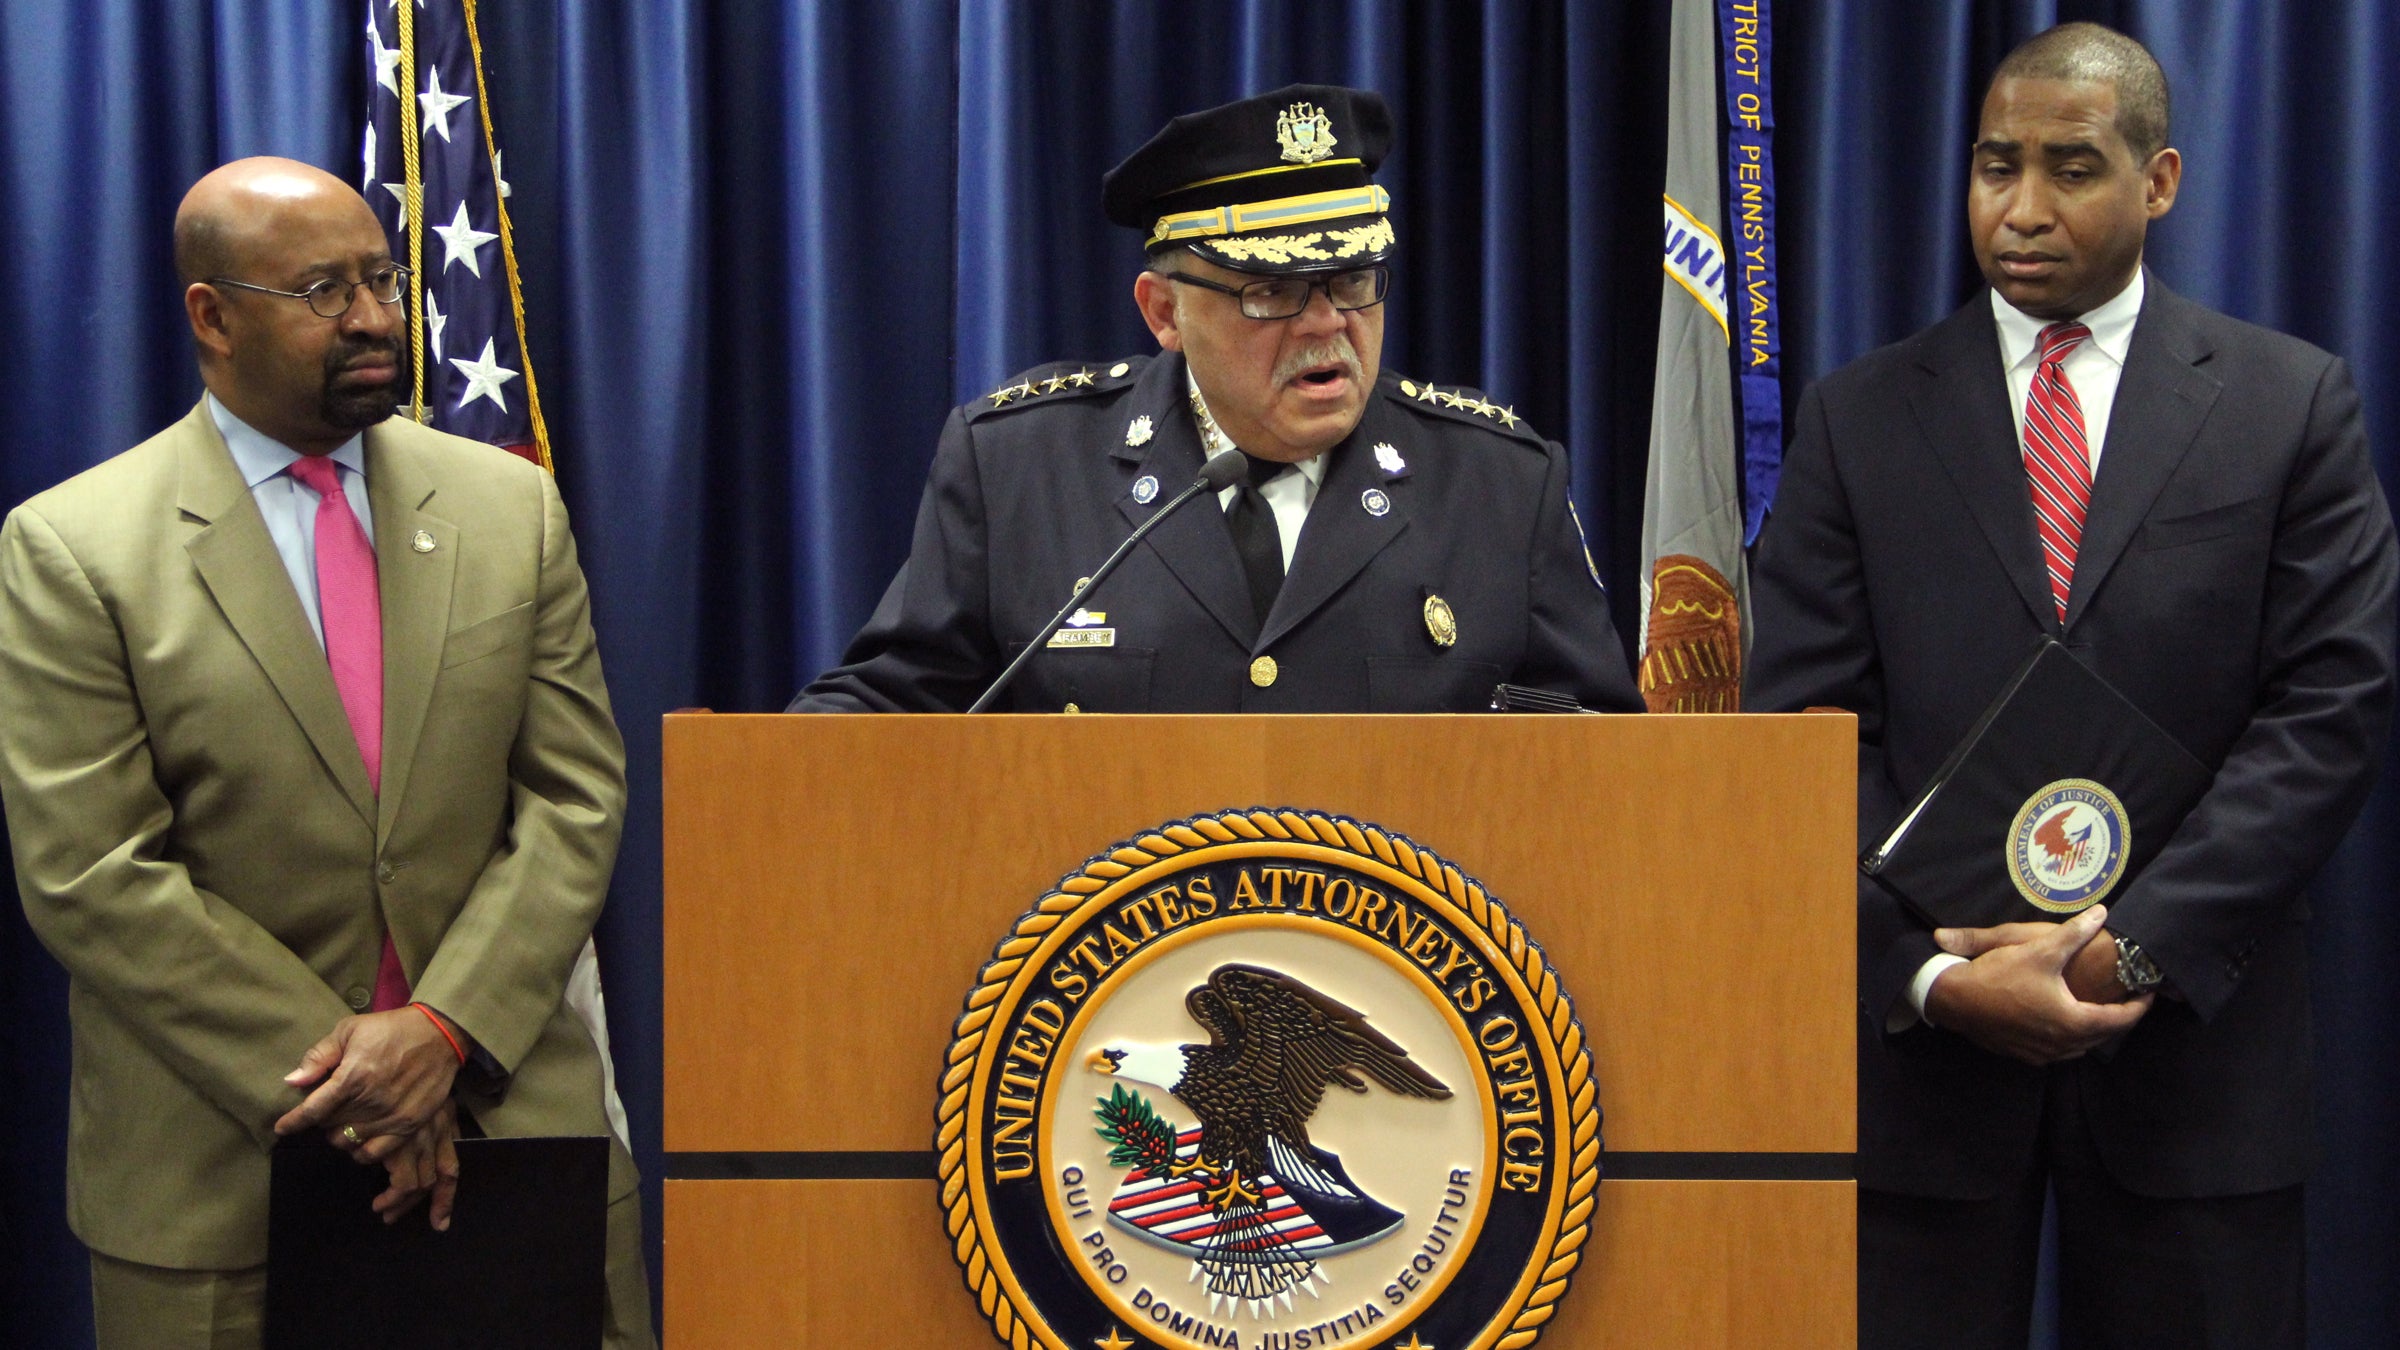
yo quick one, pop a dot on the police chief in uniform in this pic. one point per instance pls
(1395, 547)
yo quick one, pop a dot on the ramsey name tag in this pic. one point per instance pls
(1084, 637)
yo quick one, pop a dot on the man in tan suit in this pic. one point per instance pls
(295, 895)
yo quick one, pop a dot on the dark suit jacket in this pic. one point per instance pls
(1029, 493)
(2235, 581)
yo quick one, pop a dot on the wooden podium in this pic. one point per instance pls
(833, 885)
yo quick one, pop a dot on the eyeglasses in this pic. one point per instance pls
(1283, 297)
(331, 298)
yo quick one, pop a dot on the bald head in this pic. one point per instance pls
(237, 208)
(2086, 53)
(250, 238)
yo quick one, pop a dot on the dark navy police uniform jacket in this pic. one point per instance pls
(1465, 512)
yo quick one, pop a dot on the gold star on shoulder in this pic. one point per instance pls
(1508, 416)
(1054, 384)
(1427, 393)
(1082, 378)
(1025, 389)
(1414, 1342)
(1002, 395)
(1453, 401)
(1114, 1340)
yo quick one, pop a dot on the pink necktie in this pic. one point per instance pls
(350, 604)
(2058, 461)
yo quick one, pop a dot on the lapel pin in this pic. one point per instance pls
(1145, 488)
(1387, 458)
(421, 541)
(1138, 433)
(1376, 502)
(1440, 622)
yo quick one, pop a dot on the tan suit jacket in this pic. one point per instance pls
(196, 840)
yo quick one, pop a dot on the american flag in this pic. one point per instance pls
(432, 171)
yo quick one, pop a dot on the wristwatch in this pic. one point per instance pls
(2135, 970)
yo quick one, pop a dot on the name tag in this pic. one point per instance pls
(1084, 637)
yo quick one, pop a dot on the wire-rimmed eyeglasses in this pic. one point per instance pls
(332, 297)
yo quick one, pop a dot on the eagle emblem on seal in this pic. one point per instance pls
(1245, 1193)
(1268, 1079)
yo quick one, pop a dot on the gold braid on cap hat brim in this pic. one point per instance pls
(1317, 246)
(1241, 218)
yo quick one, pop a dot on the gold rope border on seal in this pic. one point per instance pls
(1556, 1021)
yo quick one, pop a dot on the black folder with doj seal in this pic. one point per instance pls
(2061, 792)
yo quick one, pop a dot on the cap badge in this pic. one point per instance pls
(1387, 458)
(1137, 432)
(1440, 622)
(1145, 487)
(1376, 502)
(1305, 133)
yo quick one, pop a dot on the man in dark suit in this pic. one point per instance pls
(2186, 502)
(1398, 547)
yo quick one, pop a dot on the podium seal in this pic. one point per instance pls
(1270, 1079)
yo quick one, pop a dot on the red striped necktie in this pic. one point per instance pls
(2058, 460)
(350, 604)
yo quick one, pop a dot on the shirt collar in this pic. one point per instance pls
(2111, 323)
(261, 457)
(1213, 441)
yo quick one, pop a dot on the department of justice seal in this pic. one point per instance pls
(2068, 847)
(1268, 1079)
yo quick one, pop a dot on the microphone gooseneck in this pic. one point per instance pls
(1222, 471)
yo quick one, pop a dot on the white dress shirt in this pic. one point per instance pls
(1289, 494)
(2094, 368)
(290, 505)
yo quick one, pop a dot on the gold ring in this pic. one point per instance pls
(350, 1132)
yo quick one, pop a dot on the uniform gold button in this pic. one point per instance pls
(1117, 371)
(1074, 707)
(1262, 671)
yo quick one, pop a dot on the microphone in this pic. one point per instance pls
(1222, 471)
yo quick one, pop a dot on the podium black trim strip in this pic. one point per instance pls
(915, 1166)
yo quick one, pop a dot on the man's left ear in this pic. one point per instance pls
(2162, 180)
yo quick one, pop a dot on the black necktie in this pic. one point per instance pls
(1255, 536)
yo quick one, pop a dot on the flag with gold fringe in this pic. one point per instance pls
(433, 175)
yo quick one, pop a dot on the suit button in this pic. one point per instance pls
(1073, 708)
(386, 872)
(358, 998)
(1262, 671)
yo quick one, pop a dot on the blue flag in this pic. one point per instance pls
(433, 175)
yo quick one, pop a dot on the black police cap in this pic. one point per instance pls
(1278, 183)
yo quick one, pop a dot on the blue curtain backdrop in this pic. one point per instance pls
(768, 242)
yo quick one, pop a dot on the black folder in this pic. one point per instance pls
(2058, 796)
(523, 1266)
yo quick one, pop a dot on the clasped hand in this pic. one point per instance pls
(2036, 992)
(381, 1092)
